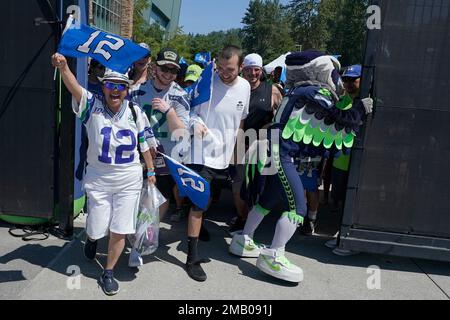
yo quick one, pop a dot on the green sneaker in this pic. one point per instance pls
(274, 263)
(244, 246)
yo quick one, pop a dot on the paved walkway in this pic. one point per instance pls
(41, 270)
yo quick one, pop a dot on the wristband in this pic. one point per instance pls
(150, 174)
(168, 110)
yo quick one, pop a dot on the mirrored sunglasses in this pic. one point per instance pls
(118, 86)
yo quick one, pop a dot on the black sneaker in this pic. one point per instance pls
(237, 226)
(204, 234)
(90, 249)
(108, 284)
(195, 271)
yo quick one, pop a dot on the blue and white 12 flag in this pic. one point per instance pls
(110, 50)
(189, 183)
(203, 57)
(202, 89)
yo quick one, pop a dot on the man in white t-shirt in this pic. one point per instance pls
(216, 124)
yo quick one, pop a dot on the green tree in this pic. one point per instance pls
(179, 43)
(308, 27)
(266, 29)
(213, 41)
(334, 26)
(349, 31)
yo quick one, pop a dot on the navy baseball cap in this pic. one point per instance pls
(354, 71)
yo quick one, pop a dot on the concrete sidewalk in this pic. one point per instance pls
(42, 270)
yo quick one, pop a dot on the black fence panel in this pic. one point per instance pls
(27, 108)
(399, 185)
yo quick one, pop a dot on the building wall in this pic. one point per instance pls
(114, 16)
(166, 13)
(106, 15)
(126, 28)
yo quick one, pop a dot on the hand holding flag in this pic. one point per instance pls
(189, 183)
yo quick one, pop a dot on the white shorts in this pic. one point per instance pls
(112, 212)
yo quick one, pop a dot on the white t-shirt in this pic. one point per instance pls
(112, 155)
(222, 116)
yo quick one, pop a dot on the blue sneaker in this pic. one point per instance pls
(108, 284)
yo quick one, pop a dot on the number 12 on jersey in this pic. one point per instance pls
(120, 149)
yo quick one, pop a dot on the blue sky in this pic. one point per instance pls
(204, 16)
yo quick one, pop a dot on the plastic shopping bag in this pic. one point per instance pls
(145, 240)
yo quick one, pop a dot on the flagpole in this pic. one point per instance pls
(68, 24)
(211, 91)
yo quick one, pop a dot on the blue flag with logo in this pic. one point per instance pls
(189, 183)
(203, 58)
(110, 50)
(202, 89)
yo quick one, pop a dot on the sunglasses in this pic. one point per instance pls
(168, 70)
(118, 86)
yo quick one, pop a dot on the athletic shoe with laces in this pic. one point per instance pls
(177, 215)
(135, 259)
(274, 263)
(244, 246)
(108, 284)
(90, 249)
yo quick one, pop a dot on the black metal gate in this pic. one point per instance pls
(27, 109)
(398, 197)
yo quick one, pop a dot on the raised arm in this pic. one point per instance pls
(71, 83)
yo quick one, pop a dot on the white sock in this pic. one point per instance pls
(284, 231)
(253, 220)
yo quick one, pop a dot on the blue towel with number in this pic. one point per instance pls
(110, 50)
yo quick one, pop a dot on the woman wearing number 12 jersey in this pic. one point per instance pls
(113, 179)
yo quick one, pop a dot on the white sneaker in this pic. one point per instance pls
(244, 246)
(331, 243)
(274, 263)
(135, 259)
(344, 252)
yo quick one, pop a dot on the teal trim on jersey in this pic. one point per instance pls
(83, 114)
